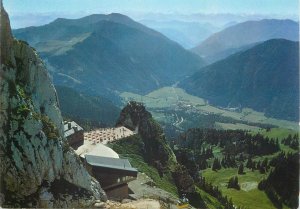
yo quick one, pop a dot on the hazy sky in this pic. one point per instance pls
(24, 12)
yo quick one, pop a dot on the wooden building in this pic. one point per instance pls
(112, 173)
(74, 134)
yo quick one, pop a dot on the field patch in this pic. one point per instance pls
(247, 186)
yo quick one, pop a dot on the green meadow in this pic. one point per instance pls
(249, 196)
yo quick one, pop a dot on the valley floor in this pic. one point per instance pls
(172, 105)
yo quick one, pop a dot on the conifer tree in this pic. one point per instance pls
(241, 169)
(216, 165)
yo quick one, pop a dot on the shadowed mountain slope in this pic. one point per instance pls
(264, 78)
(106, 54)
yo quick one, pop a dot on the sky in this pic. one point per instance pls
(35, 12)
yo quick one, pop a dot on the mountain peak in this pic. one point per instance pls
(115, 14)
(94, 18)
(240, 36)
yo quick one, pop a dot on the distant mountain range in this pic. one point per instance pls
(216, 19)
(244, 35)
(107, 54)
(265, 78)
(187, 34)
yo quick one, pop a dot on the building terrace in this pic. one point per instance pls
(105, 135)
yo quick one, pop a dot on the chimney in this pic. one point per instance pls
(69, 125)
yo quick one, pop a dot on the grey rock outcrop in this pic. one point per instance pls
(38, 168)
(156, 149)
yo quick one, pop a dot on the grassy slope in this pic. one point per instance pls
(231, 126)
(130, 148)
(163, 98)
(60, 47)
(279, 133)
(211, 202)
(249, 196)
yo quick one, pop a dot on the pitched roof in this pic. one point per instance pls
(69, 131)
(107, 162)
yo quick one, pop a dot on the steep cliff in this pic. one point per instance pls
(156, 150)
(38, 168)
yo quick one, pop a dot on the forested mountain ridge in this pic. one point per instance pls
(107, 54)
(89, 111)
(264, 78)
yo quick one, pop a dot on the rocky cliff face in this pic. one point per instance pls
(38, 167)
(156, 150)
